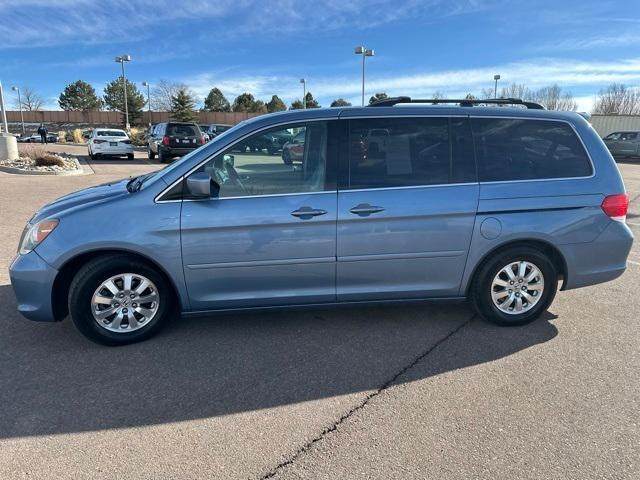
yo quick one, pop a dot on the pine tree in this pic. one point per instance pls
(245, 102)
(216, 102)
(275, 104)
(377, 97)
(310, 102)
(114, 98)
(79, 95)
(340, 102)
(183, 106)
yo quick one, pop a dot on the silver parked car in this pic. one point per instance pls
(623, 144)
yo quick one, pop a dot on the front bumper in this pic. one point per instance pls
(32, 280)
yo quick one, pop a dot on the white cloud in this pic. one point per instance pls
(60, 22)
(581, 77)
(585, 102)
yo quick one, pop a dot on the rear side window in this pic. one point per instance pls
(410, 151)
(183, 130)
(517, 149)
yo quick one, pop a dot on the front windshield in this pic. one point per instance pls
(153, 177)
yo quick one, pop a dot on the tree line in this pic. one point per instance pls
(178, 99)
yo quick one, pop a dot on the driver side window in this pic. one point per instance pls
(284, 160)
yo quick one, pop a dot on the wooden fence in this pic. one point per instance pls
(116, 118)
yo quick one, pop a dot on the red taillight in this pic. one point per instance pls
(166, 140)
(203, 140)
(98, 141)
(616, 206)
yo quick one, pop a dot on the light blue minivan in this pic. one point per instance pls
(403, 200)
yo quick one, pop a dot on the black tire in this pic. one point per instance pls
(482, 285)
(162, 157)
(286, 157)
(89, 278)
(91, 157)
(152, 155)
(130, 156)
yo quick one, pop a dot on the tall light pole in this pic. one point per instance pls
(4, 112)
(146, 84)
(495, 88)
(121, 59)
(365, 52)
(304, 92)
(16, 89)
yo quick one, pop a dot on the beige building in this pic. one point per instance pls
(606, 124)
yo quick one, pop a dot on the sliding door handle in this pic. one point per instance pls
(305, 213)
(364, 209)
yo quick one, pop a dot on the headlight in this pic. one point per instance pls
(36, 233)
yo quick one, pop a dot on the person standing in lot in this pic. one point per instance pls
(42, 130)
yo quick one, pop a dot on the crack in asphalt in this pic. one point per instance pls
(333, 427)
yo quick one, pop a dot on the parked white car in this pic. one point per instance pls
(36, 138)
(109, 142)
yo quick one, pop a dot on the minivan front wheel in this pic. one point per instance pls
(117, 299)
(515, 286)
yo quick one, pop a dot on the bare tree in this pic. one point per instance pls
(30, 100)
(516, 90)
(618, 99)
(437, 95)
(486, 93)
(553, 98)
(162, 94)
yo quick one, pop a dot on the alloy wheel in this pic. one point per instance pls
(125, 303)
(517, 287)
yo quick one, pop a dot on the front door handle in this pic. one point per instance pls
(305, 213)
(364, 209)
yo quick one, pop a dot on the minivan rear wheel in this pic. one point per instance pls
(514, 286)
(118, 299)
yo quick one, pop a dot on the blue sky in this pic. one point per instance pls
(265, 47)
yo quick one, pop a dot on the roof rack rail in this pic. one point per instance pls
(464, 102)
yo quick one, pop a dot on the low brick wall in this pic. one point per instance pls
(115, 118)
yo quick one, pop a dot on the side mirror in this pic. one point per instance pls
(199, 185)
(229, 160)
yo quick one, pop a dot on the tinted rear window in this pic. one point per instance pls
(183, 130)
(401, 152)
(516, 149)
(110, 133)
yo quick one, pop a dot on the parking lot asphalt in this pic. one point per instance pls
(413, 391)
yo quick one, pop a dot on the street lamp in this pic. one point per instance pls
(495, 88)
(146, 84)
(16, 89)
(304, 92)
(365, 52)
(121, 59)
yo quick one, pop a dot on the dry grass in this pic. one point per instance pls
(42, 158)
(48, 160)
(77, 136)
(62, 136)
(138, 136)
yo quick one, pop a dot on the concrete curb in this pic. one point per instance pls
(83, 169)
